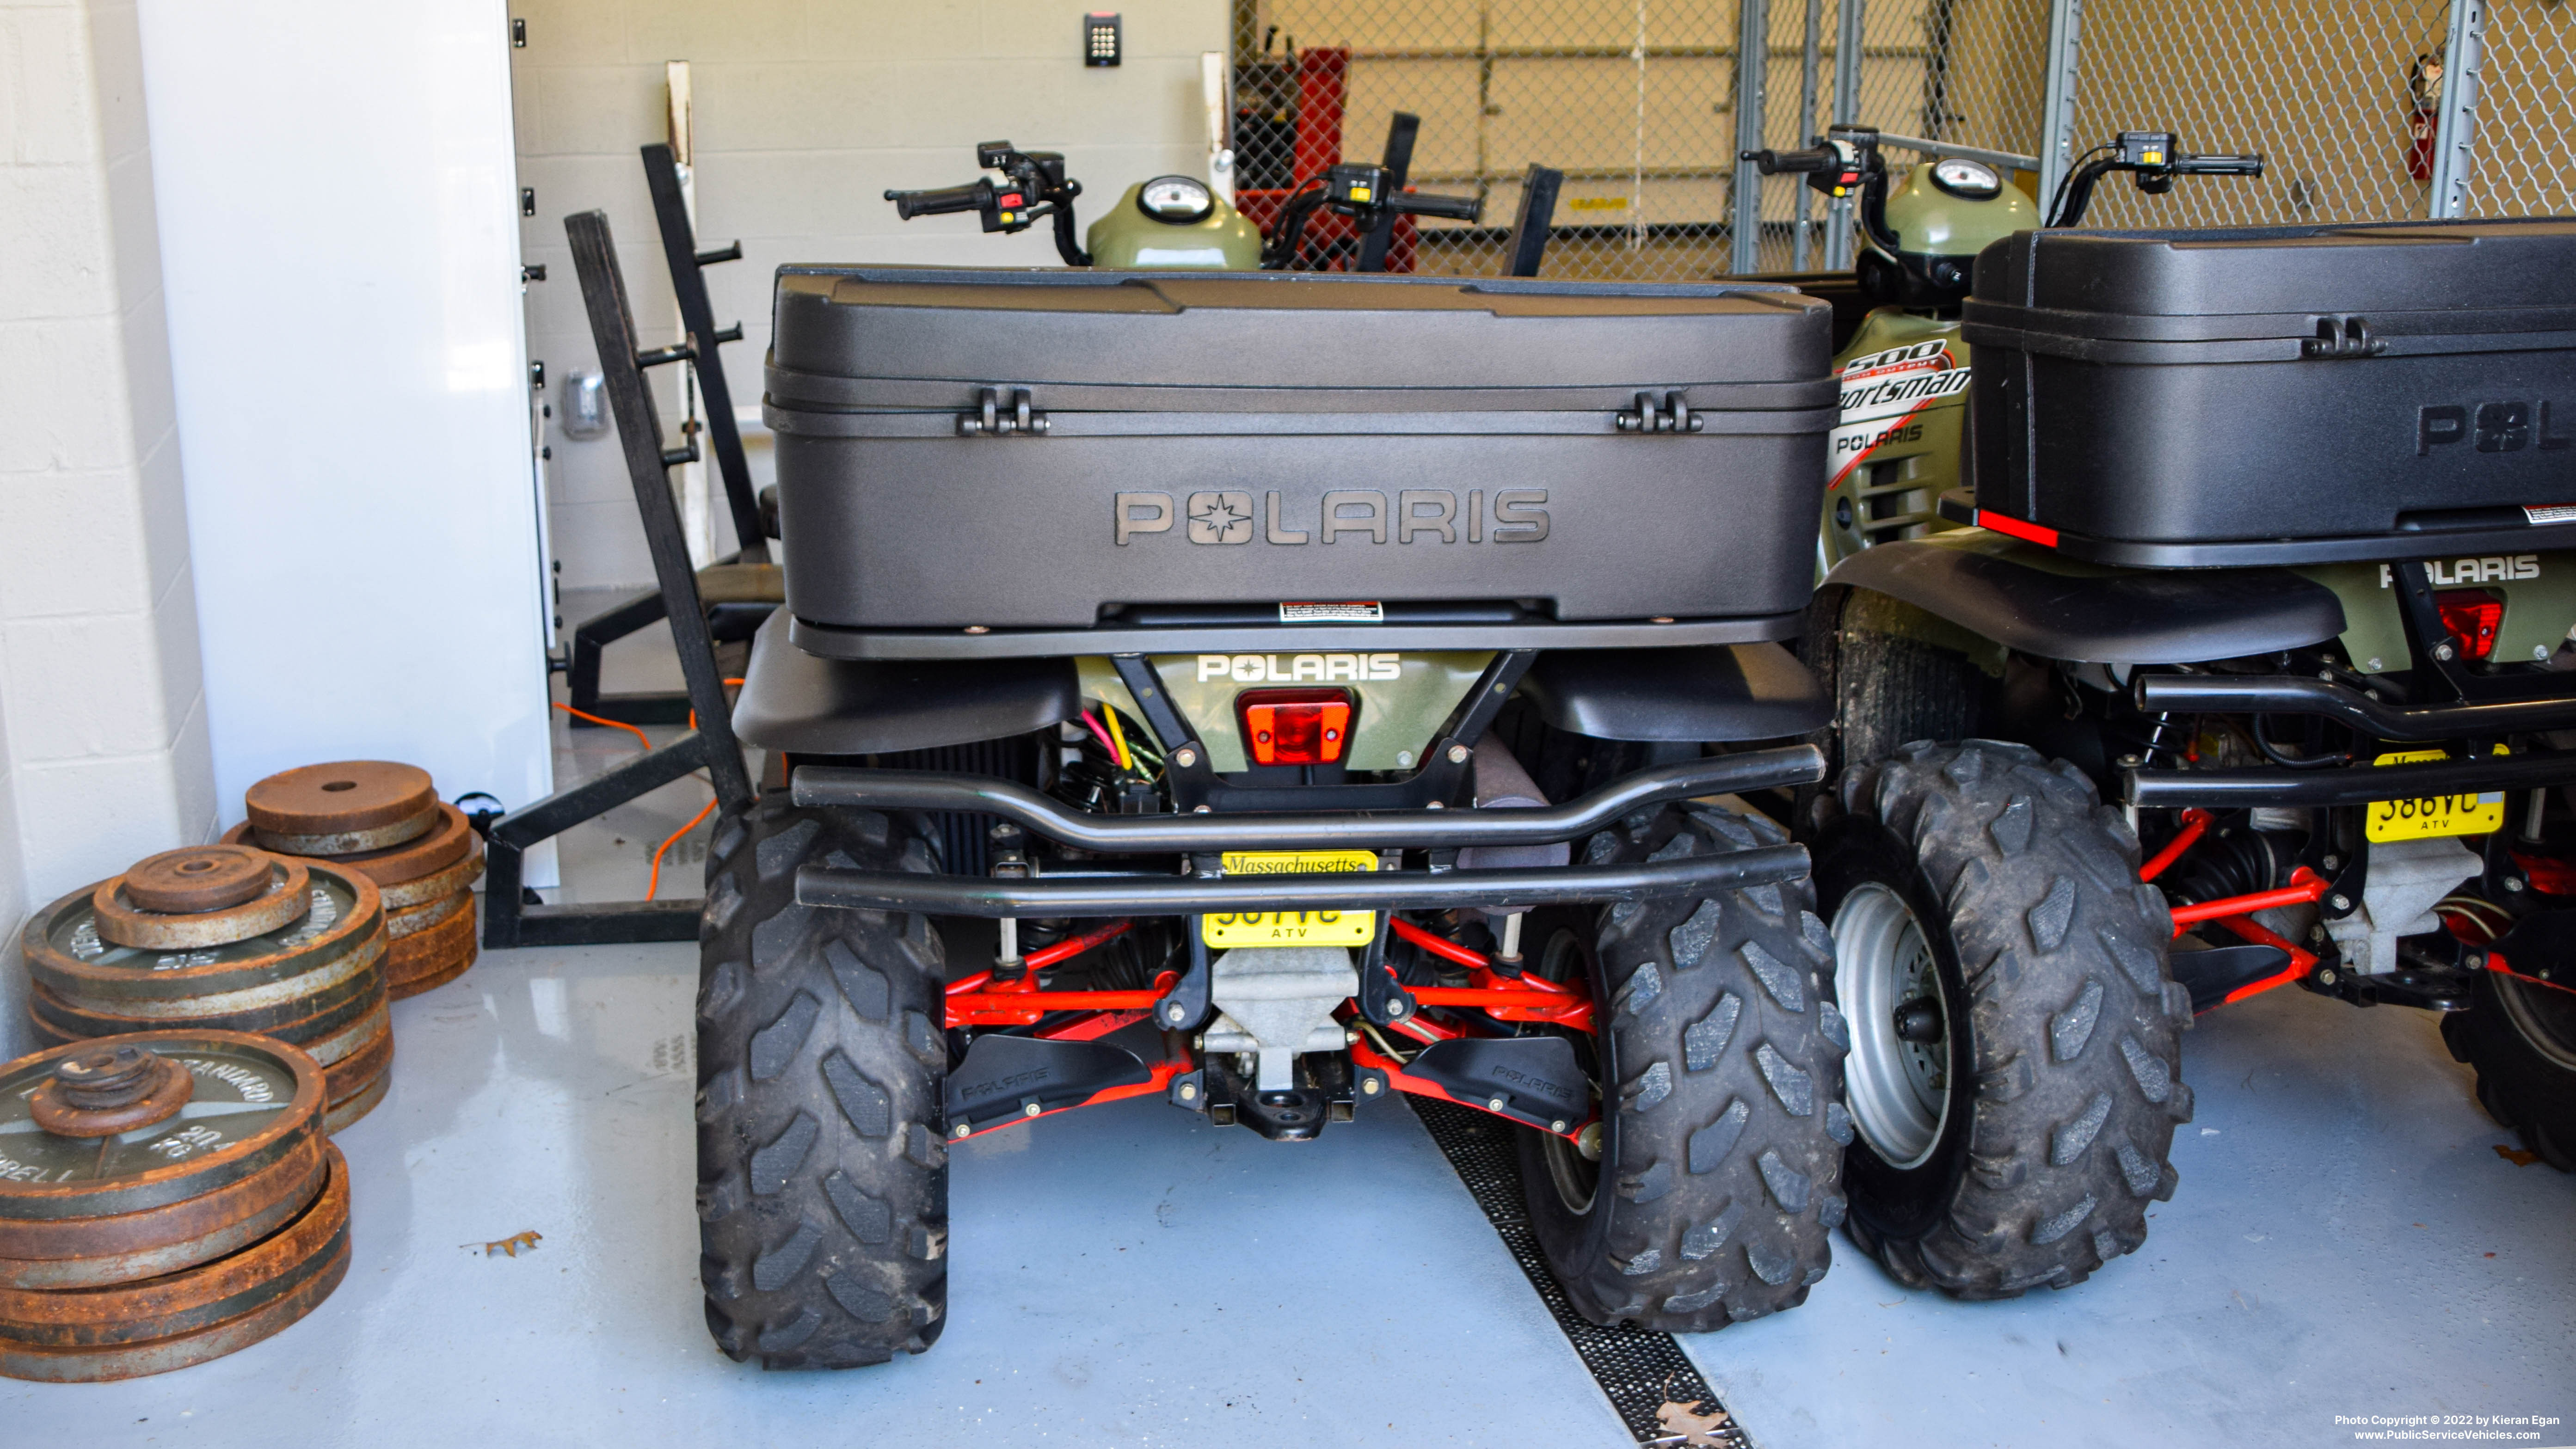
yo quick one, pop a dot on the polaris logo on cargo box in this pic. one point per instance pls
(1414, 515)
(2492, 427)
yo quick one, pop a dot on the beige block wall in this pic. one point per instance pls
(103, 748)
(807, 111)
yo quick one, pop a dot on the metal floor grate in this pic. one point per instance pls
(1649, 1380)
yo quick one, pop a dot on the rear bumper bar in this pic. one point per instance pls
(1091, 896)
(2346, 785)
(1378, 830)
(2378, 719)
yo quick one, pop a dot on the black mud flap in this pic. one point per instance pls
(2209, 975)
(1530, 1079)
(1005, 1078)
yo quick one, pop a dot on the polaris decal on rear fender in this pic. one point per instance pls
(1300, 668)
(2444, 573)
(1883, 396)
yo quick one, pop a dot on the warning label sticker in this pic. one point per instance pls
(1345, 612)
(1882, 395)
(2550, 513)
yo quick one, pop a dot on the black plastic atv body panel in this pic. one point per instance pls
(1716, 694)
(1051, 455)
(794, 701)
(2029, 599)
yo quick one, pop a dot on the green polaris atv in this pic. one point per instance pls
(2147, 700)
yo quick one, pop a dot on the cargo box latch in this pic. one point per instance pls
(999, 416)
(1674, 416)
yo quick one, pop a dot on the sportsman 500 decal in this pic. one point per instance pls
(1884, 394)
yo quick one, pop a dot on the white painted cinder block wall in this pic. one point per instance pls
(807, 111)
(103, 740)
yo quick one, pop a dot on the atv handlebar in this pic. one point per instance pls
(1033, 188)
(1456, 208)
(1796, 163)
(2156, 157)
(974, 196)
(2248, 165)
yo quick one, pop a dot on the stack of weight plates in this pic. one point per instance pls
(225, 938)
(385, 822)
(164, 1199)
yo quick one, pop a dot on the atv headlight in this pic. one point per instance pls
(1176, 200)
(1969, 180)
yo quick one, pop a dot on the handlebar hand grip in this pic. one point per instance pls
(971, 197)
(2219, 165)
(1458, 208)
(1774, 163)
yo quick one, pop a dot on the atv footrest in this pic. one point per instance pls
(1005, 1078)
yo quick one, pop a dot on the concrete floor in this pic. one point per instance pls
(2346, 1241)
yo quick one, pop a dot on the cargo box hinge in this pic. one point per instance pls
(2340, 337)
(1674, 416)
(1001, 412)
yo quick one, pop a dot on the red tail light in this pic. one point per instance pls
(2471, 615)
(1294, 726)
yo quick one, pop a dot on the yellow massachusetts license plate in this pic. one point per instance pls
(2433, 814)
(1293, 928)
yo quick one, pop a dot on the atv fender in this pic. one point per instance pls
(2028, 599)
(1713, 693)
(797, 702)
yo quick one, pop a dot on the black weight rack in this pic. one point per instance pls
(739, 590)
(710, 745)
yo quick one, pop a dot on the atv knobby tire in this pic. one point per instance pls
(822, 1170)
(2063, 1082)
(2521, 1038)
(1719, 1059)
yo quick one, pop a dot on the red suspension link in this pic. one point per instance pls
(1505, 998)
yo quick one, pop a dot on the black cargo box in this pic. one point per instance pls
(2281, 394)
(1076, 462)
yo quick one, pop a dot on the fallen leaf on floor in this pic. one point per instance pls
(2516, 1155)
(511, 1244)
(2490, 1255)
(1694, 1424)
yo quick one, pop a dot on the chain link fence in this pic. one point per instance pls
(2524, 158)
(2342, 97)
(1634, 100)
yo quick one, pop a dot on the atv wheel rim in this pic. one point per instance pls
(1575, 1177)
(1899, 1090)
(2544, 1018)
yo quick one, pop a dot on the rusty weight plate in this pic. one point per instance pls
(197, 878)
(445, 843)
(134, 1360)
(123, 921)
(435, 949)
(193, 1298)
(437, 885)
(131, 1246)
(351, 1039)
(347, 1111)
(434, 976)
(335, 798)
(343, 808)
(328, 998)
(359, 1069)
(412, 920)
(64, 950)
(254, 1103)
